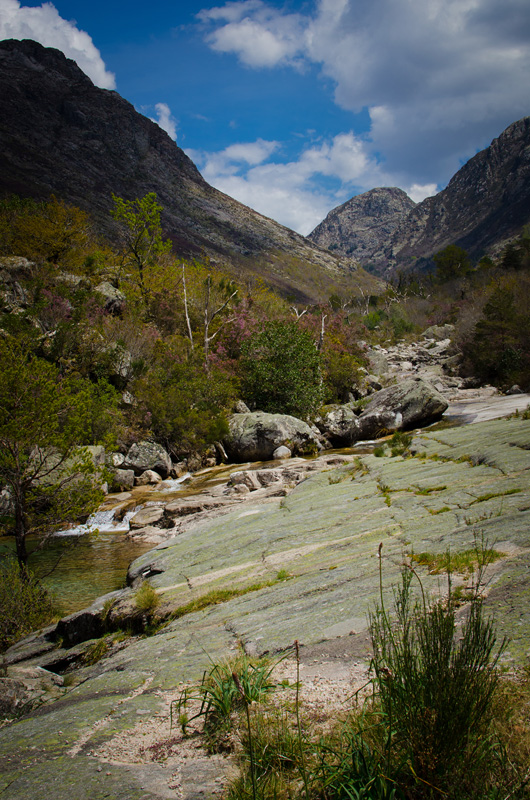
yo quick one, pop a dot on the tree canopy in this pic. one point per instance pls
(45, 417)
(281, 372)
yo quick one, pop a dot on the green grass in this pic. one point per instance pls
(439, 510)
(465, 562)
(216, 596)
(430, 490)
(492, 495)
(146, 598)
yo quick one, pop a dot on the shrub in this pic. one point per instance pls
(220, 693)
(435, 684)
(280, 367)
(146, 599)
(25, 604)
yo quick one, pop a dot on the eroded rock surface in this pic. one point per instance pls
(314, 554)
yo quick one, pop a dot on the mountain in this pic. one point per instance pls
(359, 226)
(60, 134)
(484, 205)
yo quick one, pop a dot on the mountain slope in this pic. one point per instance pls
(61, 134)
(486, 203)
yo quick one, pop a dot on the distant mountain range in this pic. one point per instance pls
(60, 134)
(484, 205)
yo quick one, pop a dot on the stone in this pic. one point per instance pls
(148, 455)
(122, 479)
(246, 477)
(255, 436)
(147, 478)
(147, 516)
(414, 402)
(116, 459)
(114, 299)
(439, 332)
(340, 424)
(515, 389)
(281, 453)
(179, 469)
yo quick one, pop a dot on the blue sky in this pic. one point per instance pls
(294, 107)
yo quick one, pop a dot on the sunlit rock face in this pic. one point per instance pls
(364, 224)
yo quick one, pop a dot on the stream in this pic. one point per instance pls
(81, 564)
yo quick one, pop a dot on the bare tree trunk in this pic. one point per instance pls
(188, 324)
(20, 528)
(320, 344)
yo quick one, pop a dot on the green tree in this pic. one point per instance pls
(141, 232)
(44, 419)
(500, 339)
(281, 369)
(51, 231)
(181, 403)
(451, 262)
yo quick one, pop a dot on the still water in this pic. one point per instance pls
(81, 564)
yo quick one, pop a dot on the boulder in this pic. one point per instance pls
(122, 479)
(148, 455)
(409, 404)
(281, 453)
(254, 436)
(412, 402)
(439, 332)
(147, 516)
(114, 299)
(340, 424)
(147, 478)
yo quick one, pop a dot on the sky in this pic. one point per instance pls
(294, 107)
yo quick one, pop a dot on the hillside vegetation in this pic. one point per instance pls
(175, 342)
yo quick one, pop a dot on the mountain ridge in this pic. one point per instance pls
(60, 134)
(485, 204)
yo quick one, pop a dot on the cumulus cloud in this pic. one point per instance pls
(292, 193)
(257, 34)
(165, 120)
(44, 24)
(439, 78)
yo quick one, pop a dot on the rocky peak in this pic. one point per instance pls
(360, 225)
(485, 203)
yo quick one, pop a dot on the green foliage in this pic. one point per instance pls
(464, 562)
(146, 598)
(435, 685)
(451, 262)
(141, 231)
(281, 373)
(51, 230)
(44, 417)
(183, 405)
(499, 350)
(342, 373)
(220, 693)
(350, 769)
(25, 605)
(400, 443)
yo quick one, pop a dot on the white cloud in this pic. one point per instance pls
(165, 120)
(419, 193)
(292, 192)
(44, 24)
(257, 34)
(439, 78)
